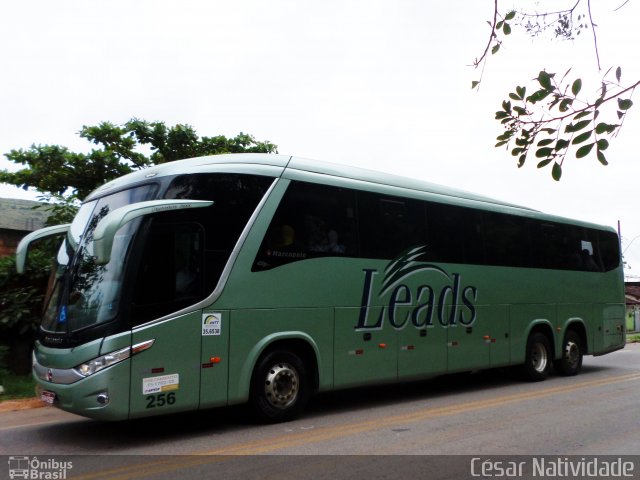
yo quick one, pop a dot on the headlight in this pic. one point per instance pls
(104, 361)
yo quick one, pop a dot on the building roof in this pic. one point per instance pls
(21, 215)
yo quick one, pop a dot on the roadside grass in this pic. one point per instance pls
(633, 338)
(16, 386)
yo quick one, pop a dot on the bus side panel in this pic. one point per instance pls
(522, 318)
(214, 360)
(497, 316)
(610, 329)
(467, 347)
(166, 377)
(253, 331)
(422, 351)
(364, 356)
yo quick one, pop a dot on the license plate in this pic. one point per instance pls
(47, 397)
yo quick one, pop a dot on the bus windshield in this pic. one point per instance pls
(83, 293)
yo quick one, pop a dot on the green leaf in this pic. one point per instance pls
(544, 152)
(544, 163)
(544, 142)
(474, 84)
(603, 92)
(544, 79)
(582, 115)
(618, 74)
(495, 49)
(513, 96)
(561, 144)
(605, 128)
(624, 104)
(583, 137)
(556, 172)
(603, 144)
(584, 150)
(499, 25)
(577, 126)
(506, 29)
(576, 87)
(602, 158)
(538, 96)
(521, 91)
(501, 114)
(511, 15)
(521, 160)
(564, 104)
(506, 106)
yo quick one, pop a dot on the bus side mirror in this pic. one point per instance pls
(23, 246)
(106, 229)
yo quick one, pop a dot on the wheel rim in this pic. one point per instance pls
(539, 357)
(572, 354)
(281, 385)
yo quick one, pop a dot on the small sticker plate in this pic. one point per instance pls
(164, 383)
(47, 397)
(211, 324)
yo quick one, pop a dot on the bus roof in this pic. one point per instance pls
(286, 166)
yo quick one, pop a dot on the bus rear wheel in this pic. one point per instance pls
(572, 353)
(538, 357)
(279, 387)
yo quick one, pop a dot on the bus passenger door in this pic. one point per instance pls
(164, 373)
(363, 356)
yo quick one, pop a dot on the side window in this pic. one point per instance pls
(184, 252)
(311, 221)
(454, 234)
(235, 198)
(389, 225)
(506, 240)
(171, 271)
(584, 246)
(551, 246)
(609, 249)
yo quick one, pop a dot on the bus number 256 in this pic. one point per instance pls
(161, 400)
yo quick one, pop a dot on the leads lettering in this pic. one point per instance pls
(451, 305)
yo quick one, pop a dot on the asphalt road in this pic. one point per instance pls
(372, 432)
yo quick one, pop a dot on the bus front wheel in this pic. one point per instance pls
(571, 361)
(279, 387)
(538, 357)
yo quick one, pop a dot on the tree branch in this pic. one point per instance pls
(595, 38)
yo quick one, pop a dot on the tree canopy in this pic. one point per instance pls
(59, 173)
(554, 119)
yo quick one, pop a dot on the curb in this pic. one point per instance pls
(21, 404)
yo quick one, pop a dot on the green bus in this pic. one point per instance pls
(264, 279)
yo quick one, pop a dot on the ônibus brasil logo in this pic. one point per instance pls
(448, 304)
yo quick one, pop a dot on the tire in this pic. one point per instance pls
(572, 353)
(279, 387)
(538, 357)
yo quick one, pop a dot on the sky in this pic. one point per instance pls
(380, 84)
